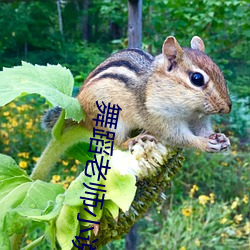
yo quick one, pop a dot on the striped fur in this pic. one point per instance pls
(156, 94)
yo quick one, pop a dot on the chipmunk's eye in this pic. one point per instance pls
(197, 79)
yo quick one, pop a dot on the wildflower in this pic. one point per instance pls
(247, 227)
(183, 248)
(197, 242)
(65, 185)
(70, 178)
(24, 154)
(193, 190)
(245, 199)
(4, 134)
(211, 195)
(23, 164)
(187, 211)
(224, 164)
(65, 163)
(234, 152)
(55, 178)
(14, 123)
(238, 218)
(29, 124)
(12, 105)
(35, 159)
(77, 162)
(203, 199)
(238, 233)
(6, 113)
(235, 203)
(223, 220)
(73, 168)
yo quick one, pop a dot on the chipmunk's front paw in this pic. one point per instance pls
(141, 139)
(218, 142)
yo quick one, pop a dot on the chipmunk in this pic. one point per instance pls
(170, 97)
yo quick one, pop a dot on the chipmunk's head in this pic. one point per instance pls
(201, 78)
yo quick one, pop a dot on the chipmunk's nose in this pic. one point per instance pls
(227, 108)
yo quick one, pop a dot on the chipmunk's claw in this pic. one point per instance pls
(218, 142)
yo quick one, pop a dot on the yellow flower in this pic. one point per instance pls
(193, 190)
(183, 248)
(234, 152)
(55, 178)
(6, 113)
(24, 154)
(235, 203)
(187, 211)
(223, 220)
(247, 227)
(70, 178)
(245, 199)
(12, 105)
(4, 134)
(73, 168)
(65, 185)
(197, 242)
(224, 164)
(29, 124)
(14, 123)
(23, 164)
(203, 199)
(77, 162)
(238, 233)
(211, 195)
(65, 163)
(238, 218)
(35, 159)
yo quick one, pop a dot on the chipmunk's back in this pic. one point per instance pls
(124, 66)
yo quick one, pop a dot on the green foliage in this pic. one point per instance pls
(198, 224)
(52, 82)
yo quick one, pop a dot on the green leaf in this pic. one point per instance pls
(80, 152)
(9, 184)
(67, 226)
(120, 188)
(76, 189)
(53, 82)
(9, 168)
(112, 208)
(39, 194)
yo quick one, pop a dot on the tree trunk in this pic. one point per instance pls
(85, 23)
(135, 23)
(59, 16)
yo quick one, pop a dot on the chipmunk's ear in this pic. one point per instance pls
(171, 49)
(197, 43)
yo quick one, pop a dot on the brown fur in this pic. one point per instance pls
(156, 94)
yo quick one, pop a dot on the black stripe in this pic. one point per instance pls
(142, 53)
(118, 77)
(118, 63)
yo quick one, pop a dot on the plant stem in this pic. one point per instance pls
(56, 148)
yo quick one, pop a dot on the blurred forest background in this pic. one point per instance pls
(208, 204)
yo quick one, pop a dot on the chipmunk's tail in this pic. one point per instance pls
(50, 118)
